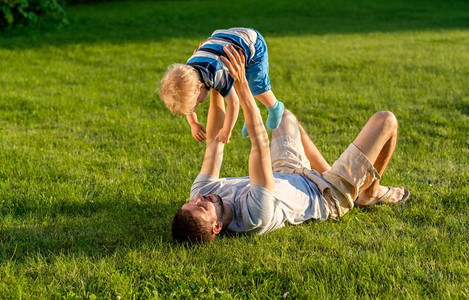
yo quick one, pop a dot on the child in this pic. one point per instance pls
(184, 87)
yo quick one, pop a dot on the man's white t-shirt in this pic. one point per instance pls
(256, 210)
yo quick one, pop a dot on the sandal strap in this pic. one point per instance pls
(388, 195)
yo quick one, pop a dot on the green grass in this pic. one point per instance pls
(93, 166)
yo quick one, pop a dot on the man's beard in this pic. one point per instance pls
(219, 207)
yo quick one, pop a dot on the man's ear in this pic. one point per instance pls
(217, 227)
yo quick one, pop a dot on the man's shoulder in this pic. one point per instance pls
(203, 179)
(200, 182)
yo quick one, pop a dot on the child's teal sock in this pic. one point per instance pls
(244, 131)
(275, 115)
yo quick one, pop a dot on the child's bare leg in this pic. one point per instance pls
(267, 98)
(377, 141)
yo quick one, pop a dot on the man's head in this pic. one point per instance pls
(181, 89)
(199, 220)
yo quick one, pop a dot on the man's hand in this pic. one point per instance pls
(198, 131)
(235, 64)
(223, 136)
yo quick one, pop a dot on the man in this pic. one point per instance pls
(294, 183)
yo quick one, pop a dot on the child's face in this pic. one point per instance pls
(202, 96)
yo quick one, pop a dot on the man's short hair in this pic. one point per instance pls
(187, 229)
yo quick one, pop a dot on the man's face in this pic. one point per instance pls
(209, 207)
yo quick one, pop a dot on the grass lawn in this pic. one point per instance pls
(93, 166)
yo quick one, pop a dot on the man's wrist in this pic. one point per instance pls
(241, 84)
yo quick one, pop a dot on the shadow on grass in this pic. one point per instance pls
(97, 229)
(144, 21)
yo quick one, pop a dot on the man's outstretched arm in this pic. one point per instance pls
(214, 150)
(260, 165)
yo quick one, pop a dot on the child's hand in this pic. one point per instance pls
(223, 136)
(198, 132)
(200, 45)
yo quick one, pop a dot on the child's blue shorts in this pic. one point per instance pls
(257, 72)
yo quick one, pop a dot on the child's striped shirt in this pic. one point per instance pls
(206, 60)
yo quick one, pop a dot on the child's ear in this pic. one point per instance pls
(201, 85)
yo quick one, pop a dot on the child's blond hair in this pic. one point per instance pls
(179, 86)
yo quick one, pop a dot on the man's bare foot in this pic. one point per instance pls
(386, 194)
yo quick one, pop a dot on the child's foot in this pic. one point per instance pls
(244, 131)
(275, 115)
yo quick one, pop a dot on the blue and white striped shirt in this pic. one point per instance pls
(206, 60)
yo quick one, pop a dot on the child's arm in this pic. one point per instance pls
(214, 150)
(198, 131)
(232, 111)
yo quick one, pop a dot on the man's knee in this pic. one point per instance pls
(287, 114)
(386, 120)
(288, 127)
(288, 120)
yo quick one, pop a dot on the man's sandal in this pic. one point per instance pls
(390, 192)
(386, 197)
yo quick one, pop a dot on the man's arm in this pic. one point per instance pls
(214, 150)
(260, 165)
